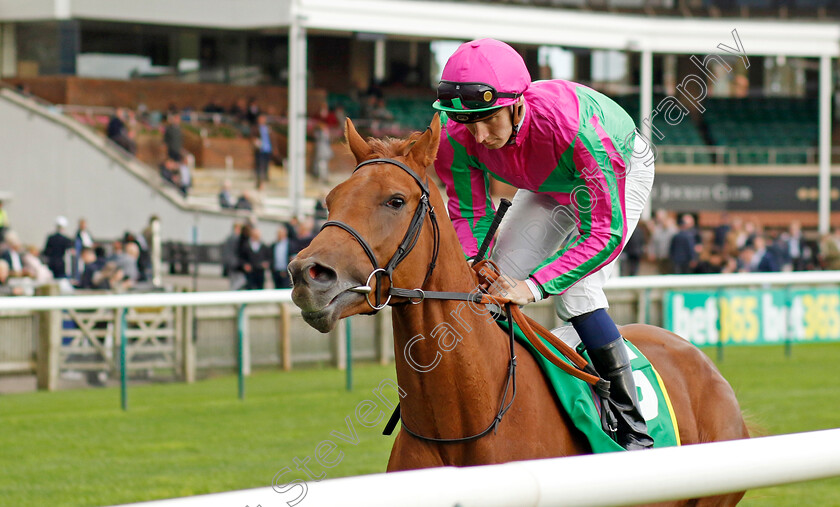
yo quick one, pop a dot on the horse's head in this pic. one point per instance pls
(378, 205)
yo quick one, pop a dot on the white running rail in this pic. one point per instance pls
(284, 295)
(648, 476)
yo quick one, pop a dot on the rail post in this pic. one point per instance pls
(49, 343)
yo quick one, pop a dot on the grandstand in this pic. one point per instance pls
(87, 58)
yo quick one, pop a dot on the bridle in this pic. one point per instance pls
(415, 227)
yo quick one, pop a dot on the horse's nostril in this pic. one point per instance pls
(321, 274)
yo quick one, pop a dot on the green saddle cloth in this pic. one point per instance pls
(582, 405)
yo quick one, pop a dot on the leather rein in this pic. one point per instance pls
(579, 368)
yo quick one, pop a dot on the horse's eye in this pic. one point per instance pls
(395, 202)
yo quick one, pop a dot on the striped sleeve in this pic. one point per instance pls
(468, 189)
(597, 200)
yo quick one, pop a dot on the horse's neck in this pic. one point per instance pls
(451, 357)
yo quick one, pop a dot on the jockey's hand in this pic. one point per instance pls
(515, 290)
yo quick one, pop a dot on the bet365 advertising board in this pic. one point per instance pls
(743, 317)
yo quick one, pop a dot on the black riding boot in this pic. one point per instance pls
(613, 364)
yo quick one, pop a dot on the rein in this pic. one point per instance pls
(533, 330)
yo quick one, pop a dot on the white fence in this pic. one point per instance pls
(284, 295)
(48, 351)
(649, 476)
(276, 323)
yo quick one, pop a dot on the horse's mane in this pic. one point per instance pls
(392, 147)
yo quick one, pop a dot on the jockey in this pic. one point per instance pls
(582, 178)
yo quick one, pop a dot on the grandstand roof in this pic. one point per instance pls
(573, 28)
(457, 20)
(228, 14)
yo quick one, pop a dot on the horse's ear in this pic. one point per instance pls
(358, 146)
(425, 149)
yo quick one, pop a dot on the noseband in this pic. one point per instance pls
(408, 242)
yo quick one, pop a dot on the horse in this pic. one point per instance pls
(452, 386)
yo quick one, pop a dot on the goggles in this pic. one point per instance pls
(461, 96)
(472, 117)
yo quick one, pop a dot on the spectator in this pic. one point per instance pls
(213, 107)
(110, 277)
(144, 259)
(664, 230)
(184, 178)
(380, 111)
(83, 240)
(794, 251)
(173, 137)
(327, 116)
(4, 222)
(261, 138)
(33, 266)
(340, 116)
(323, 152)
(145, 241)
(245, 201)
(13, 255)
(55, 248)
(366, 110)
(5, 275)
(24, 89)
(710, 260)
(119, 132)
(252, 112)
(236, 108)
(764, 260)
(633, 251)
(281, 252)
(94, 261)
(721, 231)
(128, 263)
(757, 258)
(177, 173)
(683, 249)
(256, 258)
(116, 251)
(830, 251)
(230, 258)
(225, 197)
(320, 211)
(170, 171)
(746, 235)
(304, 235)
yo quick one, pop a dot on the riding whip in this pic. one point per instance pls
(500, 213)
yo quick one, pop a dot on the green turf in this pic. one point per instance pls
(787, 395)
(79, 448)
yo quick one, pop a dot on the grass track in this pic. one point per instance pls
(79, 448)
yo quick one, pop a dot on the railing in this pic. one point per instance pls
(657, 475)
(726, 155)
(194, 331)
(119, 333)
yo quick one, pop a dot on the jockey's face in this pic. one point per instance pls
(493, 132)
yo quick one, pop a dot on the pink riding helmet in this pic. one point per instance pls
(482, 62)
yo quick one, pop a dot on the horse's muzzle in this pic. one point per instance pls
(320, 292)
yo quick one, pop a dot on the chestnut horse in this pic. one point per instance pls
(459, 387)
